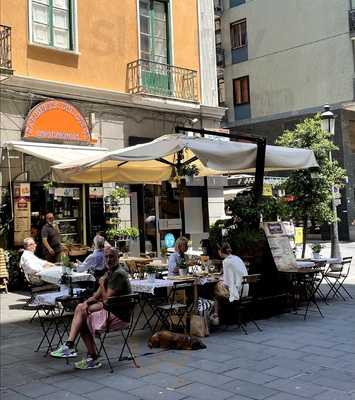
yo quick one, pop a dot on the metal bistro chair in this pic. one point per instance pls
(37, 287)
(171, 315)
(123, 308)
(335, 276)
(246, 304)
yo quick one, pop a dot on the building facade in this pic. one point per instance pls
(283, 61)
(133, 72)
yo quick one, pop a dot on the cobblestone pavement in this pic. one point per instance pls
(291, 359)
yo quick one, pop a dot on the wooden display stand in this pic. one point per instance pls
(4, 276)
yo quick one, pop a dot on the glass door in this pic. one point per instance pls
(153, 16)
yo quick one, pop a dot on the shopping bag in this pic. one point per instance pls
(199, 325)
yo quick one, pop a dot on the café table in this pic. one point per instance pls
(306, 279)
(150, 292)
(54, 275)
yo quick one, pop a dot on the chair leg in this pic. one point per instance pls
(126, 344)
(102, 347)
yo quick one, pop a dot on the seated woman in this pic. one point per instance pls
(181, 246)
(234, 270)
(95, 262)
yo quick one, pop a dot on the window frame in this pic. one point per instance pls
(72, 28)
(241, 79)
(238, 26)
(167, 4)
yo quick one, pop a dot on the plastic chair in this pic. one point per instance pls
(123, 308)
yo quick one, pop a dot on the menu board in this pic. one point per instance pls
(22, 212)
(280, 246)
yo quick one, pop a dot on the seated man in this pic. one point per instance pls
(95, 262)
(91, 316)
(30, 263)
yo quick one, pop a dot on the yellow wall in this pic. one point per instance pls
(108, 41)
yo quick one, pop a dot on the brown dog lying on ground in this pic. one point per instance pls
(176, 341)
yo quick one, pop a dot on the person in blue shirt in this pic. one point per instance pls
(95, 262)
(181, 246)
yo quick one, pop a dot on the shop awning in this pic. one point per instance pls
(155, 161)
(55, 153)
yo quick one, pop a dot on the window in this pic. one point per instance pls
(221, 90)
(153, 20)
(52, 23)
(239, 34)
(241, 91)
(218, 32)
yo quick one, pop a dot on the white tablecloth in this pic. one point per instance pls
(146, 286)
(305, 264)
(53, 275)
(49, 298)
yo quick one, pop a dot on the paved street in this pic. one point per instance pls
(291, 359)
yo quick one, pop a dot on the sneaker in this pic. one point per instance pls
(64, 352)
(87, 363)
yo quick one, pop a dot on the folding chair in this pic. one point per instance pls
(123, 308)
(174, 310)
(246, 304)
(336, 276)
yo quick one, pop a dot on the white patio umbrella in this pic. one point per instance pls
(156, 161)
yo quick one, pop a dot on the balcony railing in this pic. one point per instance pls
(352, 23)
(5, 48)
(162, 80)
(220, 56)
(218, 7)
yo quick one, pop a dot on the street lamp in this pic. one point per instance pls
(328, 125)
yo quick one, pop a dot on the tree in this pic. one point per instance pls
(312, 192)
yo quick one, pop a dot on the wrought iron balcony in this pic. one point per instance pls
(220, 56)
(218, 7)
(5, 48)
(352, 23)
(148, 77)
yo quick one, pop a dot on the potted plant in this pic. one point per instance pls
(182, 266)
(164, 252)
(67, 265)
(316, 248)
(150, 270)
(188, 171)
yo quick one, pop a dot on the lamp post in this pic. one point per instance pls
(328, 124)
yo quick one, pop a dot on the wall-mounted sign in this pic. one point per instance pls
(56, 121)
(22, 212)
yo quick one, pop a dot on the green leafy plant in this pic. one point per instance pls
(150, 269)
(316, 247)
(119, 193)
(188, 170)
(182, 264)
(132, 232)
(311, 193)
(49, 185)
(164, 251)
(65, 260)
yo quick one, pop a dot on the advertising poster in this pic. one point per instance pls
(22, 212)
(280, 246)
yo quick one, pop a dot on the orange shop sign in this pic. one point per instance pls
(56, 121)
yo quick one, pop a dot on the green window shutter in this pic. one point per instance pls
(154, 30)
